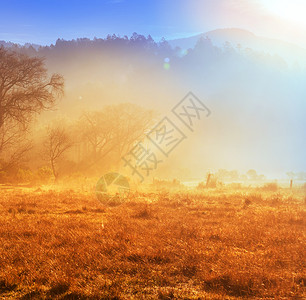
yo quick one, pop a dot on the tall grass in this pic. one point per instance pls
(187, 245)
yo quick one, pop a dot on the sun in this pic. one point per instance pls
(291, 10)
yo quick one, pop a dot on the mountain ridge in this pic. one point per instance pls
(290, 52)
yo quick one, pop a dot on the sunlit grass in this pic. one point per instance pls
(211, 243)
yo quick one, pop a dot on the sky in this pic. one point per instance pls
(44, 21)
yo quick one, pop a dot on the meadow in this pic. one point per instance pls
(189, 244)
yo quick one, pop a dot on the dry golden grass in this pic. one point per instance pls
(189, 245)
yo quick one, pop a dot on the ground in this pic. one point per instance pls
(209, 244)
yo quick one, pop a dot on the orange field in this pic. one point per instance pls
(210, 244)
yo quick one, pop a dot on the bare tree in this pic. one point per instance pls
(56, 144)
(25, 89)
(97, 130)
(133, 122)
(113, 130)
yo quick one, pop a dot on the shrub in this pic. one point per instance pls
(271, 186)
(3, 177)
(44, 174)
(24, 175)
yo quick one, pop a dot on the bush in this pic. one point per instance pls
(201, 186)
(235, 186)
(44, 174)
(271, 186)
(24, 175)
(3, 177)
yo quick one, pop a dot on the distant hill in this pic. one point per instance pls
(291, 53)
(246, 39)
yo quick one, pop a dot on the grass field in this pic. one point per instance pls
(210, 244)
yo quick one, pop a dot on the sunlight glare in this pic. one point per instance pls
(293, 10)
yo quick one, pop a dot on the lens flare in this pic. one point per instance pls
(166, 66)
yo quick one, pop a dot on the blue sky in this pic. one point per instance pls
(43, 21)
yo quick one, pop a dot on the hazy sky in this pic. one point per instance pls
(43, 21)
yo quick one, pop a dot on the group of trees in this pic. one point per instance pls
(95, 140)
(234, 175)
(297, 176)
(204, 51)
(25, 90)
